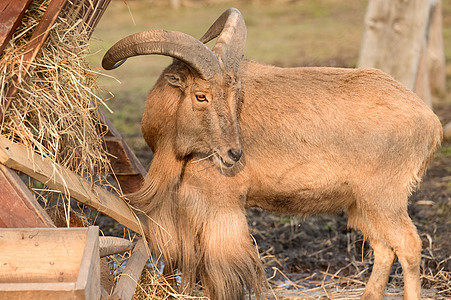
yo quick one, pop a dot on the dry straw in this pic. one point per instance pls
(55, 109)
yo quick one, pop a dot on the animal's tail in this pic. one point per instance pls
(434, 145)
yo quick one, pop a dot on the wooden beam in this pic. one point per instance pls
(18, 207)
(130, 183)
(115, 135)
(126, 285)
(96, 15)
(38, 38)
(11, 13)
(120, 160)
(18, 157)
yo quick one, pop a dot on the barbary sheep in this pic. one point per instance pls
(229, 133)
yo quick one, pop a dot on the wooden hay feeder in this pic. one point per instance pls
(51, 263)
(43, 263)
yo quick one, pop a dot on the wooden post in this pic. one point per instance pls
(127, 168)
(126, 285)
(396, 40)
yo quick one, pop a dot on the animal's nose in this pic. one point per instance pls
(234, 155)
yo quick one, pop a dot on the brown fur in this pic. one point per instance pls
(314, 140)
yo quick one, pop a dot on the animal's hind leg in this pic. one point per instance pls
(383, 262)
(386, 222)
(383, 258)
(406, 243)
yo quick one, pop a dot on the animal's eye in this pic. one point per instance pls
(201, 98)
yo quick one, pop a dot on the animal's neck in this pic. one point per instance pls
(163, 177)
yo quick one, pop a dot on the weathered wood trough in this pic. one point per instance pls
(39, 260)
(64, 263)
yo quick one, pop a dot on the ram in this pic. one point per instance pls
(229, 133)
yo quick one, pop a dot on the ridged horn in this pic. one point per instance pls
(231, 32)
(170, 43)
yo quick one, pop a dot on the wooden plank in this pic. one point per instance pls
(42, 31)
(90, 12)
(126, 167)
(113, 133)
(88, 279)
(11, 13)
(41, 255)
(97, 15)
(32, 291)
(130, 183)
(38, 38)
(126, 285)
(18, 157)
(120, 161)
(18, 207)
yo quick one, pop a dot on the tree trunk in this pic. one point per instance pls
(175, 3)
(436, 53)
(396, 40)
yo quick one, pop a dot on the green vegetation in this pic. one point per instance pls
(445, 151)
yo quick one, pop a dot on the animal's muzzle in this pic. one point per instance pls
(234, 154)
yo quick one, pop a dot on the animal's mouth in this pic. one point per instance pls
(226, 158)
(221, 163)
(226, 164)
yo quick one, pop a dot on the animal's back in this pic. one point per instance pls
(311, 132)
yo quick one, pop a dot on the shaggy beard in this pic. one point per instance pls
(202, 241)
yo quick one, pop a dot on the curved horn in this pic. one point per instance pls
(169, 43)
(231, 29)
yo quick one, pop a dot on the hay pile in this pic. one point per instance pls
(55, 109)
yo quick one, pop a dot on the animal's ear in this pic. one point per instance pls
(175, 79)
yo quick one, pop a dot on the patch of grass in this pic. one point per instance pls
(445, 151)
